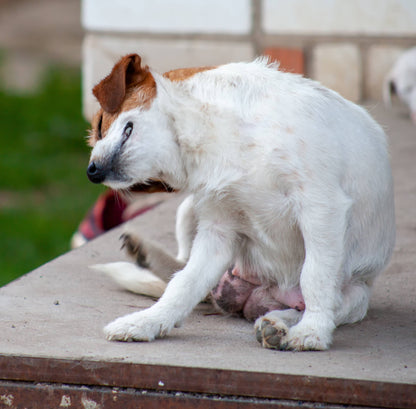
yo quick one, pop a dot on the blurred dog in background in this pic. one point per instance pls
(401, 81)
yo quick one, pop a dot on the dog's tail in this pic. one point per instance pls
(133, 278)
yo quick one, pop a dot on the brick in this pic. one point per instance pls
(168, 16)
(338, 66)
(100, 52)
(290, 59)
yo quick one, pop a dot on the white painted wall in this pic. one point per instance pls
(349, 45)
(343, 17)
(168, 16)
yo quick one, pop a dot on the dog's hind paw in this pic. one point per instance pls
(271, 334)
(135, 248)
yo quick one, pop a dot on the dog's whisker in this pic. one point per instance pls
(128, 193)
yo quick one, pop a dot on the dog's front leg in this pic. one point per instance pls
(185, 229)
(323, 227)
(211, 254)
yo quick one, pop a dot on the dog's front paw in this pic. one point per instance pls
(271, 333)
(139, 326)
(304, 337)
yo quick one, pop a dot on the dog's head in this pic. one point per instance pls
(130, 137)
(401, 81)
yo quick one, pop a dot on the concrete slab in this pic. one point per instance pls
(52, 319)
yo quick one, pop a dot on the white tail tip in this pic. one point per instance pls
(133, 278)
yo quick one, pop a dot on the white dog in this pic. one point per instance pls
(289, 182)
(401, 81)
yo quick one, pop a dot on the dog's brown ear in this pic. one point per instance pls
(111, 91)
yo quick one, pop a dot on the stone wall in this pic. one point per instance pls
(348, 45)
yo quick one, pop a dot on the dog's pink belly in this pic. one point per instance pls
(235, 295)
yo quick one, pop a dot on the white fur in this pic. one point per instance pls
(289, 181)
(133, 278)
(403, 78)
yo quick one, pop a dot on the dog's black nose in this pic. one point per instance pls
(95, 173)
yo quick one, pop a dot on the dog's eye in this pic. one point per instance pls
(100, 124)
(128, 129)
(127, 132)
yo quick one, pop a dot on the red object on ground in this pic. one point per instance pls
(107, 212)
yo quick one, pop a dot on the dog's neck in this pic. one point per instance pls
(184, 112)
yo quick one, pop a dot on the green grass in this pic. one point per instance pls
(44, 192)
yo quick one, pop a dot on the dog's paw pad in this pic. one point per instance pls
(270, 334)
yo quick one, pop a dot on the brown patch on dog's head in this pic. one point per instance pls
(128, 86)
(128, 73)
(182, 74)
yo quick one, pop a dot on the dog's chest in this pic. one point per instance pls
(271, 248)
(269, 244)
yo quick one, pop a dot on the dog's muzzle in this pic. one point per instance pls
(96, 173)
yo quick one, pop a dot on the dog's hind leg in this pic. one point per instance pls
(354, 306)
(150, 256)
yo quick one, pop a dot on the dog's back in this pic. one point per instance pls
(276, 134)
